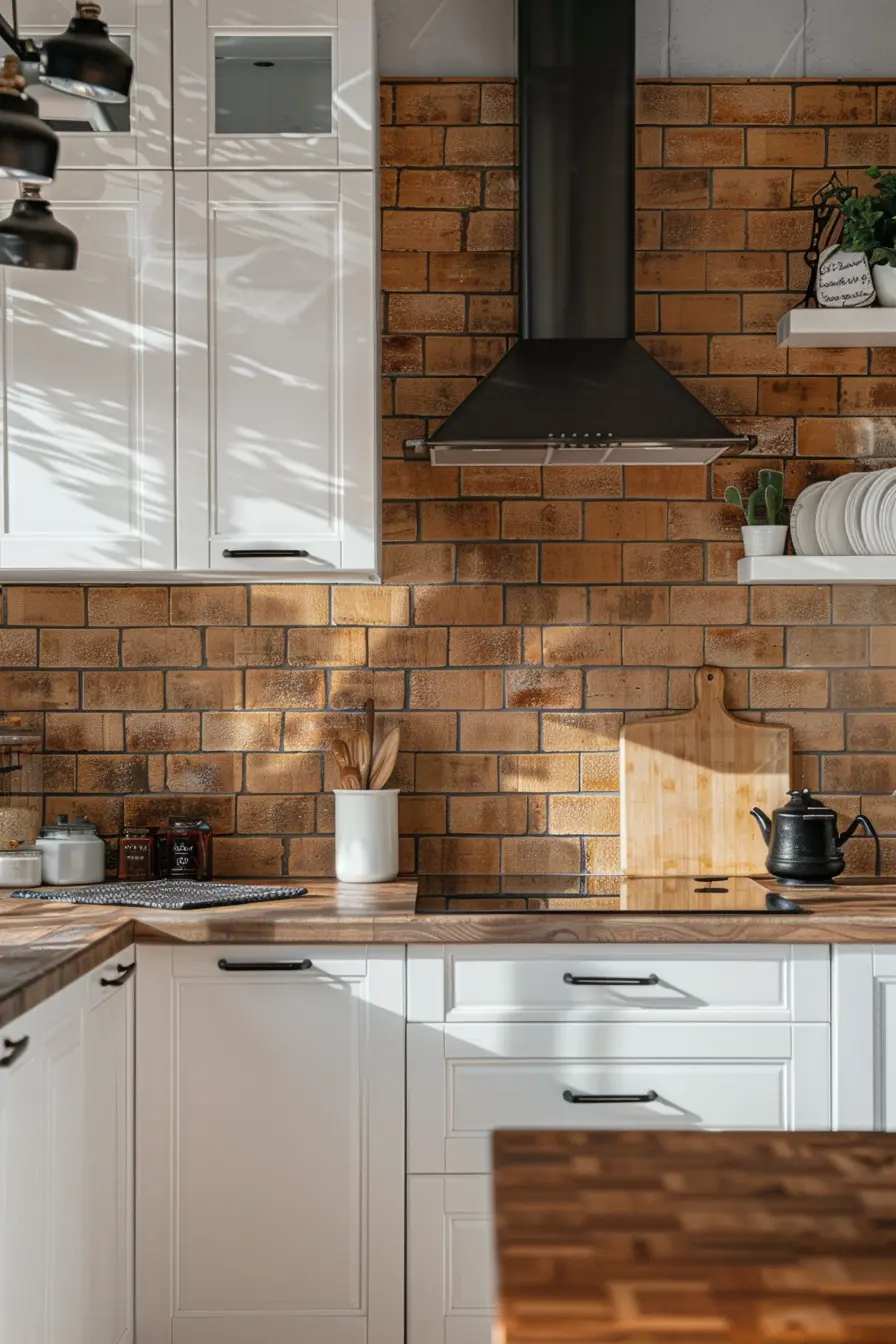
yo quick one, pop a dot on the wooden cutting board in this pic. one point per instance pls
(688, 782)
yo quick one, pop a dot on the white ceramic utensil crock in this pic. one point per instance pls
(366, 834)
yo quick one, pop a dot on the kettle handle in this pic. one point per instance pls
(867, 829)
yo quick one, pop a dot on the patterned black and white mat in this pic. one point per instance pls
(164, 895)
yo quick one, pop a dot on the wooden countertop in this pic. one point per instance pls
(723, 1238)
(47, 944)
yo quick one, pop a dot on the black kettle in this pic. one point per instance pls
(803, 840)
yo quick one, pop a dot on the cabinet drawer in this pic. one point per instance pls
(466, 1081)
(261, 961)
(681, 982)
(451, 1260)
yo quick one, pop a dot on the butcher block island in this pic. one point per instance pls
(665, 1237)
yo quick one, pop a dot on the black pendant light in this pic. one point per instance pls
(28, 146)
(85, 61)
(30, 236)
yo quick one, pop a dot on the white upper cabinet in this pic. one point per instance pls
(274, 84)
(135, 134)
(277, 373)
(88, 385)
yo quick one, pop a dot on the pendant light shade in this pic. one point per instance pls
(85, 61)
(28, 146)
(31, 237)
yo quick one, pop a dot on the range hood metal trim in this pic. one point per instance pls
(577, 367)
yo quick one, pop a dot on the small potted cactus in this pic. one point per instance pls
(765, 529)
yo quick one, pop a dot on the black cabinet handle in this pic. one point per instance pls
(570, 979)
(604, 1099)
(124, 973)
(265, 555)
(14, 1049)
(225, 965)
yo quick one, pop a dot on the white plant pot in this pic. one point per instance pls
(764, 540)
(885, 284)
(366, 834)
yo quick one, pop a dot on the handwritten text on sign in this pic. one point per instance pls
(844, 280)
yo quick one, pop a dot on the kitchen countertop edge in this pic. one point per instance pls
(46, 945)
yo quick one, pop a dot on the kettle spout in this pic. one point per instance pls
(762, 822)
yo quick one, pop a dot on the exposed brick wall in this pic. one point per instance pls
(566, 599)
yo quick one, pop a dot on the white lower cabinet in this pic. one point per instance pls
(864, 1036)
(66, 1166)
(451, 1277)
(676, 1037)
(270, 1145)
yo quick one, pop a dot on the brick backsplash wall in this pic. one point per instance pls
(566, 599)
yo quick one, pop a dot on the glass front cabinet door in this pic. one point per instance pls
(133, 134)
(275, 84)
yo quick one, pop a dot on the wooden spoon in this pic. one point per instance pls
(361, 755)
(351, 778)
(341, 756)
(384, 760)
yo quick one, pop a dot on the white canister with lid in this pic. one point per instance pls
(73, 853)
(20, 866)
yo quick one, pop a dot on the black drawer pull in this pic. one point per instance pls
(251, 554)
(570, 979)
(225, 965)
(14, 1049)
(610, 1098)
(124, 973)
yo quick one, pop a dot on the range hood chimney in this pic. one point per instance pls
(577, 387)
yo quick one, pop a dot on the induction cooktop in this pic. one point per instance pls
(578, 893)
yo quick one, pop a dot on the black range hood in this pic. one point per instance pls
(577, 387)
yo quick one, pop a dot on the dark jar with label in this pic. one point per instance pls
(138, 855)
(188, 849)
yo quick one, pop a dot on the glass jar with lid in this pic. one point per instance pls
(21, 785)
(73, 853)
(188, 849)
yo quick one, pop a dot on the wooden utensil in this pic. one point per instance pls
(351, 778)
(384, 760)
(370, 719)
(361, 755)
(688, 782)
(342, 757)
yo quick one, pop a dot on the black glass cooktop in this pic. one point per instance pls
(577, 893)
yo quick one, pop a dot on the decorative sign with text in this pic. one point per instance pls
(843, 280)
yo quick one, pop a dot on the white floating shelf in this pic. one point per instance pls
(804, 327)
(817, 569)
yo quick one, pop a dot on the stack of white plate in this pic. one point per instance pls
(851, 515)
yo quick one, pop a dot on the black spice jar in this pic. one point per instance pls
(188, 849)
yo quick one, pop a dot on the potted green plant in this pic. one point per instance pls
(869, 226)
(765, 529)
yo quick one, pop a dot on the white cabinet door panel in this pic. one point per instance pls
(864, 1035)
(451, 1275)
(700, 983)
(87, 386)
(23, 1176)
(466, 1081)
(272, 1098)
(67, 1192)
(283, 84)
(276, 310)
(139, 137)
(109, 1154)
